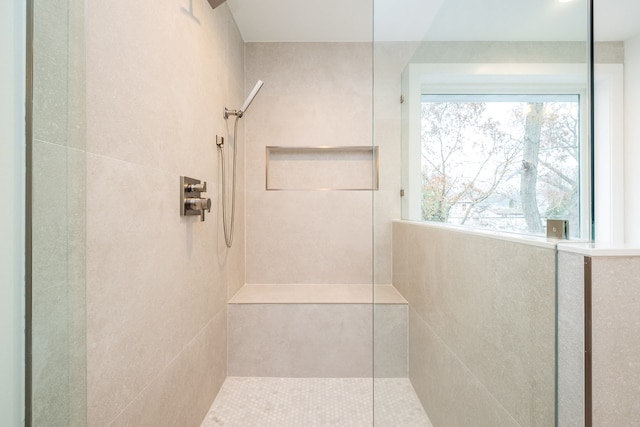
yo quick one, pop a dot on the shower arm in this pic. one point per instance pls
(228, 113)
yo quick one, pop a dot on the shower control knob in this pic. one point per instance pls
(191, 200)
(196, 188)
(199, 204)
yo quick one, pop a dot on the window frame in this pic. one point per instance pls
(487, 79)
(609, 153)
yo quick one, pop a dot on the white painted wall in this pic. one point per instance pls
(632, 140)
(609, 153)
(12, 78)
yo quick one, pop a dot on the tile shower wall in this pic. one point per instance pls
(390, 59)
(12, 223)
(615, 340)
(614, 337)
(58, 220)
(158, 77)
(321, 94)
(314, 94)
(571, 392)
(482, 325)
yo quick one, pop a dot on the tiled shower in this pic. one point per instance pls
(328, 309)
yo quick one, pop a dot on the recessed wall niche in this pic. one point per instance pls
(322, 168)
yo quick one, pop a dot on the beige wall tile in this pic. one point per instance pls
(496, 316)
(390, 340)
(158, 78)
(615, 340)
(180, 395)
(309, 237)
(570, 339)
(51, 357)
(496, 52)
(57, 321)
(314, 94)
(157, 81)
(320, 94)
(386, 207)
(58, 243)
(50, 215)
(390, 59)
(300, 340)
(317, 294)
(51, 71)
(448, 390)
(146, 300)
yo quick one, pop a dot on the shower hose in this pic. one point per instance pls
(228, 225)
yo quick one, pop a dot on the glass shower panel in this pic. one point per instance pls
(481, 113)
(304, 315)
(57, 291)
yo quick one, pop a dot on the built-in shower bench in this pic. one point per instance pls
(288, 330)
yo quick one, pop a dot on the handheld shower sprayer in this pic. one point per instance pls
(228, 225)
(246, 103)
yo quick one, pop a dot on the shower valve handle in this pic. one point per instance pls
(191, 200)
(196, 188)
(199, 204)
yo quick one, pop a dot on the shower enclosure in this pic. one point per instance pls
(343, 277)
(56, 216)
(484, 89)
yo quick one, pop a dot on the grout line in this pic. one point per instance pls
(463, 365)
(165, 368)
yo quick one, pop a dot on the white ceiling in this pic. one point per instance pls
(300, 20)
(407, 20)
(616, 20)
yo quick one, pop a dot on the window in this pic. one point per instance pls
(498, 146)
(506, 162)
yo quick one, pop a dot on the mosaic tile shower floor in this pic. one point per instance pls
(309, 402)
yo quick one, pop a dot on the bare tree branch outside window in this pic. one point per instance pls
(503, 164)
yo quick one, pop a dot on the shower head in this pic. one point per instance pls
(252, 95)
(246, 103)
